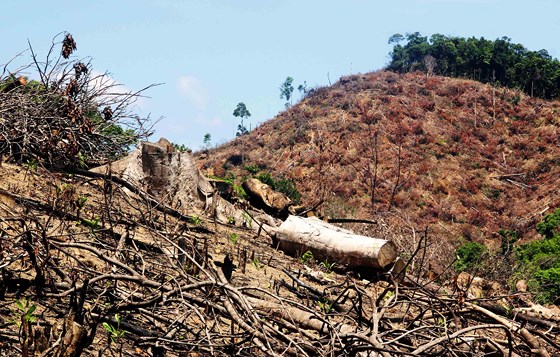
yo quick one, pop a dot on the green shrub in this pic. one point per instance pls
(239, 191)
(252, 169)
(266, 178)
(548, 283)
(548, 228)
(285, 186)
(288, 188)
(539, 261)
(469, 255)
(181, 148)
(541, 252)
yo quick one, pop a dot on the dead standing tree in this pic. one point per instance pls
(369, 172)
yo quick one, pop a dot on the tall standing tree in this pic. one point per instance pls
(207, 141)
(241, 112)
(286, 90)
(303, 88)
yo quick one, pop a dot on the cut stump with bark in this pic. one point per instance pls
(173, 178)
(326, 241)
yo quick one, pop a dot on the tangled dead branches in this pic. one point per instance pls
(70, 116)
(112, 271)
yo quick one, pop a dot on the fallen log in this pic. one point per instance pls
(263, 196)
(298, 235)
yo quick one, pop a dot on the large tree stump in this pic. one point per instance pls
(298, 235)
(173, 178)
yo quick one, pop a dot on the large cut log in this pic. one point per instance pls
(298, 235)
(263, 196)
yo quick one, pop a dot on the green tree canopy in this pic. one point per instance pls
(207, 140)
(286, 89)
(242, 112)
(500, 61)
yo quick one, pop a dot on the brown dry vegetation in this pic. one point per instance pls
(83, 247)
(81, 262)
(464, 158)
(92, 264)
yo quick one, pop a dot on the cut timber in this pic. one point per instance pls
(298, 234)
(263, 196)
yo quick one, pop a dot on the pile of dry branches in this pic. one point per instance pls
(58, 112)
(109, 272)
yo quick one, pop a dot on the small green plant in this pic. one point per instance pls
(233, 238)
(239, 191)
(31, 164)
(327, 266)
(231, 220)
(91, 223)
(115, 333)
(515, 100)
(441, 322)
(81, 201)
(388, 296)
(306, 257)
(491, 193)
(468, 255)
(27, 312)
(325, 305)
(257, 263)
(195, 220)
(247, 220)
(230, 177)
(252, 169)
(81, 160)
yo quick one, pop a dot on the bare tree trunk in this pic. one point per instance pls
(373, 179)
(398, 179)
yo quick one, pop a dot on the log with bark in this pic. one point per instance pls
(326, 241)
(265, 197)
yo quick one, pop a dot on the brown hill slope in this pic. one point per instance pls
(464, 158)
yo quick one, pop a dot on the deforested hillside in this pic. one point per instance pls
(468, 160)
(107, 252)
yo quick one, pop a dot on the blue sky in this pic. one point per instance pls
(211, 55)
